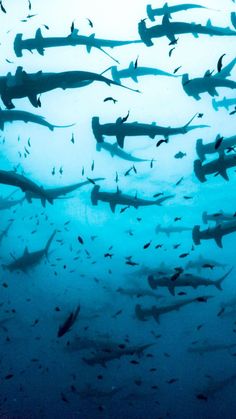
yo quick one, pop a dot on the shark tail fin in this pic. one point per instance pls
(18, 45)
(96, 129)
(48, 244)
(218, 283)
(191, 120)
(196, 235)
(200, 149)
(233, 19)
(94, 194)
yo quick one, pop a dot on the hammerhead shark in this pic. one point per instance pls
(23, 84)
(56, 193)
(134, 72)
(5, 231)
(101, 358)
(185, 280)
(118, 198)
(218, 167)
(224, 103)
(6, 203)
(138, 292)
(210, 148)
(199, 263)
(168, 230)
(29, 259)
(156, 312)
(216, 233)
(207, 348)
(169, 10)
(217, 217)
(115, 150)
(120, 130)
(209, 83)
(171, 29)
(26, 185)
(216, 386)
(39, 43)
(11, 116)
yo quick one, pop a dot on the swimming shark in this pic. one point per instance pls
(29, 259)
(156, 312)
(118, 198)
(217, 217)
(39, 43)
(24, 84)
(168, 230)
(7, 203)
(171, 29)
(209, 82)
(115, 150)
(11, 116)
(218, 167)
(26, 185)
(103, 357)
(134, 72)
(185, 280)
(216, 386)
(120, 130)
(210, 148)
(55, 193)
(224, 103)
(138, 292)
(208, 348)
(5, 231)
(199, 263)
(216, 233)
(169, 10)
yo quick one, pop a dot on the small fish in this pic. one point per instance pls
(80, 240)
(134, 169)
(208, 265)
(29, 5)
(172, 380)
(46, 27)
(177, 69)
(177, 219)
(180, 155)
(157, 194)
(39, 102)
(82, 171)
(61, 170)
(136, 62)
(179, 181)
(72, 138)
(233, 112)
(10, 62)
(160, 142)
(92, 166)
(200, 115)
(202, 396)
(183, 255)
(117, 178)
(90, 22)
(53, 171)
(151, 163)
(222, 310)
(124, 209)
(128, 171)
(171, 50)
(68, 323)
(220, 64)
(110, 98)
(117, 314)
(147, 245)
(2, 7)
(125, 118)
(72, 27)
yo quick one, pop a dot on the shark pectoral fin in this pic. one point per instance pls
(120, 140)
(26, 252)
(1, 125)
(89, 47)
(134, 78)
(113, 207)
(195, 34)
(223, 173)
(33, 100)
(218, 240)
(171, 290)
(40, 50)
(212, 91)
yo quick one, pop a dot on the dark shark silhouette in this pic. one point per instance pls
(6, 203)
(224, 103)
(115, 150)
(171, 29)
(118, 198)
(216, 233)
(5, 231)
(39, 43)
(210, 148)
(135, 72)
(120, 130)
(218, 167)
(169, 10)
(11, 116)
(29, 259)
(185, 280)
(208, 83)
(26, 185)
(207, 348)
(23, 84)
(218, 217)
(199, 263)
(168, 230)
(56, 193)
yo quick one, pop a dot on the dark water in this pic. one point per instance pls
(98, 368)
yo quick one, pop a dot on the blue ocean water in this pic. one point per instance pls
(130, 311)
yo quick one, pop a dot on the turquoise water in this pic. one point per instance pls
(103, 253)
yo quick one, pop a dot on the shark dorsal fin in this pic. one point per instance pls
(74, 33)
(38, 35)
(26, 252)
(208, 24)
(118, 191)
(131, 65)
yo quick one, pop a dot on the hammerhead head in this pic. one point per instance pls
(11, 116)
(171, 29)
(185, 280)
(115, 150)
(26, 185)
(134, 72)
(224, 103)
(168, 230)
(101, 358)
(216, 233)
(217, 167)
(169, 10)
(23, 84)
(120, 130)
(210, 148)
(6, 203)
(209, 83)
(199, 263)
(118, 198)
(55, 193)
(156, 311)
(29, 259)
(39, 43)
(217, 217)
